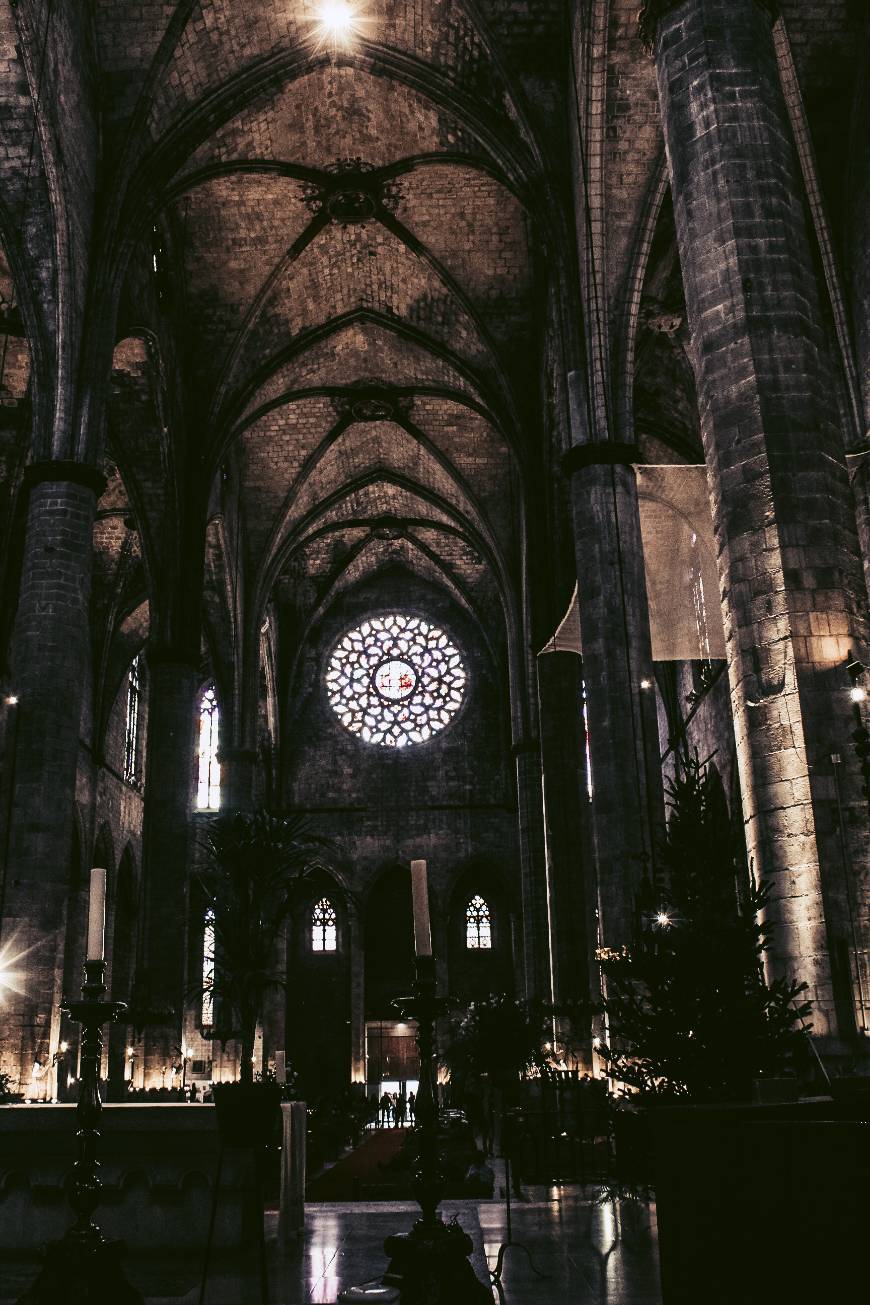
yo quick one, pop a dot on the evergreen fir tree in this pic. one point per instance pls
(690, 1011)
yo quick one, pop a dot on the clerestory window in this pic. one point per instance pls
(131, 730)
(208, 790)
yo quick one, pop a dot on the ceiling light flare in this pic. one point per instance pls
(338, 22)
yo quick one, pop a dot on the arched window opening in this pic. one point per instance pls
(207, 1010)
(324, 927)
(131, 731)
(396, 680)
(208, 791)
(478, 924)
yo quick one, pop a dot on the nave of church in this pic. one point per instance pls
(437, 424)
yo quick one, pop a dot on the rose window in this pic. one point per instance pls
(395, 680)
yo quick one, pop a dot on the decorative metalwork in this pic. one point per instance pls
(84, 1265)
(396, 680)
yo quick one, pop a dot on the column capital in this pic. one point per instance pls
(599, 453)
(654, 11)
(75, 473)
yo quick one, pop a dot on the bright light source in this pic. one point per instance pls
(663, 919)
(12, 973)
(337, 22)
(130, 1053)
(857, 693)
(63, 1048)
(596, 1042)
(12, 700)
(646, 684)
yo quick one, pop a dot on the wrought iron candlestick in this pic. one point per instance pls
(83, 1268)
(430, 1263)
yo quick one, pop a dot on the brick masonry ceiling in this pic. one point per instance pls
(332, 266)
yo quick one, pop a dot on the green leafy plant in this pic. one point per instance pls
(257, 869)
(690, 1011)
(498, 1038)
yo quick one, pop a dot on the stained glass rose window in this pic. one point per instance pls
(395, 680)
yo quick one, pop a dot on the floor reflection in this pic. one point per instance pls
(591, 1251)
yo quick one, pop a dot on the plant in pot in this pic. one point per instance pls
(256, 870)
(690, 1011)
(692, 1018)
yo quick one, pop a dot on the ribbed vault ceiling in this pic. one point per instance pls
(352, 251)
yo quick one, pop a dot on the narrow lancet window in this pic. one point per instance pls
(208, 791)
(208, 971)
(478, 924)
(131, 731)
(324, 931)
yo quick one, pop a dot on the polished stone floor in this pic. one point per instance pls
(591, 1253)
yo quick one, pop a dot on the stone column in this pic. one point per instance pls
(357, 998)
(627, 802)
(566, 823)
(859, 266)
(537, 978)
(166, 843)
(50, 669)
(794, 599)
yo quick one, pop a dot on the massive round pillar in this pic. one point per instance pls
(50, 669)
(626, 801)
(793, 592)
(566, 822)
(169, 785)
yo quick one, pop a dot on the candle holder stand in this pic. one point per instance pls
(84, 1268)
(430, 1264)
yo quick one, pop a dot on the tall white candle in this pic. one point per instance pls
(280, 1067)
(97, 915)
(420, 894)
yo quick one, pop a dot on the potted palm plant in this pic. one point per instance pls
(256, 869)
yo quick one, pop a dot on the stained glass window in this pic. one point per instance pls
(478, 924)
(324, 931)
(395, 680)
(208, 971)
(131, 732)
(208, 789)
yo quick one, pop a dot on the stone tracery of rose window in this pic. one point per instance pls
(396, 680)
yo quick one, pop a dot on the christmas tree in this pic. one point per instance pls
(689, 1010)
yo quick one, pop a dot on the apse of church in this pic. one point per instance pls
(436, 429)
